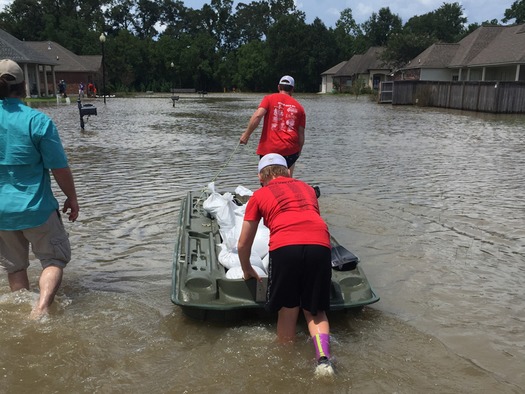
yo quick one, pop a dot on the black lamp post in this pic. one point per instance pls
(172, 76)
(102, 39)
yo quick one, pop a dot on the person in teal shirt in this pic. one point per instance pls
(30, 148)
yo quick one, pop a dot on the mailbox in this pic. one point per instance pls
(88, 109)
(85, 110)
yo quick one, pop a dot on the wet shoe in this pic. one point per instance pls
(324, 368)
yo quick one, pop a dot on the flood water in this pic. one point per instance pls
(431, 201)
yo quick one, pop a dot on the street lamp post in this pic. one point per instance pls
(173, 97)
(102, 39)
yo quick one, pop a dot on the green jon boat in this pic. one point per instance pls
(201, 287)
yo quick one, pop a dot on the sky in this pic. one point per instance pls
(328, 11)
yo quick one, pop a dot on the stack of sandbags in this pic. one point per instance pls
(230, 216)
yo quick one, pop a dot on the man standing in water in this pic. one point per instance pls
(284, 124)
(30, 148)
(300, 268)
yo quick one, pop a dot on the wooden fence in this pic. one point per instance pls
(496, 97)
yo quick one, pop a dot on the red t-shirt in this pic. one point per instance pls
(284, 116)
(290, 210)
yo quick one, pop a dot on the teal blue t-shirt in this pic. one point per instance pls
(29, 147)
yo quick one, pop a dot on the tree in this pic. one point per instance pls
(24, 19)
(348, 35)
(252, 22)
(516, 11)
(146, 14)
(320, 54)
(173, 17)
(380, 26)
(445, 24)
(253, 70)
(449, 22)
(287, 50)
(283, 8)
(404, 46)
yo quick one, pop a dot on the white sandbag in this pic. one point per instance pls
(221, 207)
(243, 191)
(236, 273)
(261, 241)
(266, 262)
(229, 258)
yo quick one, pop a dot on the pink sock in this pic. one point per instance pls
(322, 345)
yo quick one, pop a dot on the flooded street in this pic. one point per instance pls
(431, 201)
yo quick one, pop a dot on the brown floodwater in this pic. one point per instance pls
(431, 201)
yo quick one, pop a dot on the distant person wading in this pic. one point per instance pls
(284, 124)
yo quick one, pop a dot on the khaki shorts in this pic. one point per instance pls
(49, 243)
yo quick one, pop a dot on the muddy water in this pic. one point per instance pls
(431, 201)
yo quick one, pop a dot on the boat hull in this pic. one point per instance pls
(200, 286)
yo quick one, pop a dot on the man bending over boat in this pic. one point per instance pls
(283, 126)
(300, 254)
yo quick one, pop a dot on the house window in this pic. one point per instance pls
(455, 78)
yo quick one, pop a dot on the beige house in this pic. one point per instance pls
(367, 69)
(327, 84)
(490, 53)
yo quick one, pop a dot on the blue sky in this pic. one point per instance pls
(329, 10)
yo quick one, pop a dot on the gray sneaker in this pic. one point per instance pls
(324, 368)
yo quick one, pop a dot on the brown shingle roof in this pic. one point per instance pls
(435, 56)
(473, 44)
(14, 49)
(66, 60)
(334, 69)
(361, 64)
(507, 47)
(485, 46)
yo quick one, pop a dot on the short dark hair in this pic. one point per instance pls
(286, 88)
(6, 89)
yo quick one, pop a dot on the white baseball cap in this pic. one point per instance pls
(272, 159)
(12, 71)
(287, 80)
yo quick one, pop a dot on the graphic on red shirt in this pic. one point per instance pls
(284, 116)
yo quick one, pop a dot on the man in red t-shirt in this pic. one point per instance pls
(300, 268)
(284, 124)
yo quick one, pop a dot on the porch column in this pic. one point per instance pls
(37, 69)
(483, 74)
(518, 68)
(54, 80)
(26, 79)
(45, 81)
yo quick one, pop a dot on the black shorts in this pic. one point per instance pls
(300, 275)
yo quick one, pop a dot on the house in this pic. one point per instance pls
(71, 68)
(490, 53)
(45, 63)
(367, 69)
(327, 84)
(34, 64)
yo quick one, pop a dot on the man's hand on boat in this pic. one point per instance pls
(244, 248)
(250, 272)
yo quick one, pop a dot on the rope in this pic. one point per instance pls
(203, 191)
